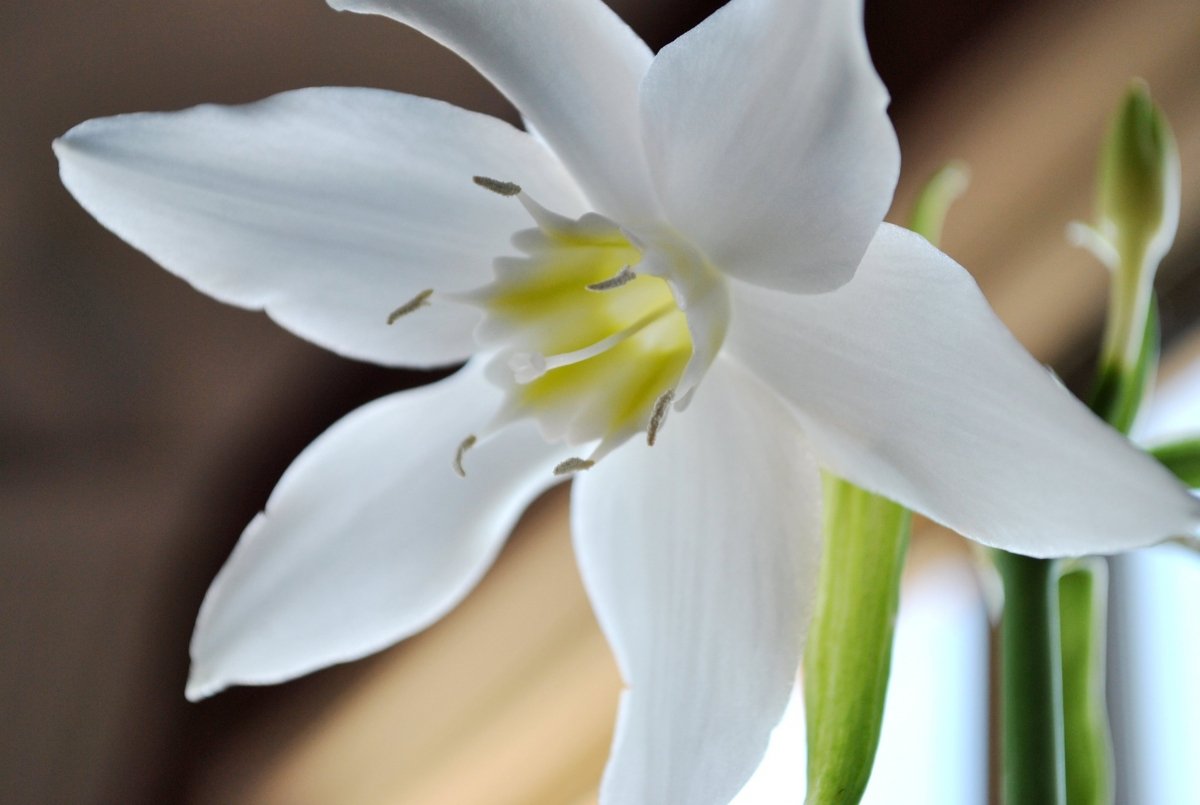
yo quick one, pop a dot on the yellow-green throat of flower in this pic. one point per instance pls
(589, 334)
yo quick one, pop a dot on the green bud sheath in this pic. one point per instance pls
(849, 653)
(1082, 597)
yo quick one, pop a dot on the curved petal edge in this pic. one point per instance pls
(327, 207)
(909, 386)
(769, 143)
(369, 537)
(700, 555)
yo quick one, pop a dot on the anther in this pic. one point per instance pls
(417, 302)
(497, 186)
(466, 445)
(659, 417)
(574, 465)
(625, 276)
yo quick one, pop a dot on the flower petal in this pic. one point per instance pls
(571, 67)
(327, 207)
(769, 143)
(700, 555)
(910, 386)
(369, 536)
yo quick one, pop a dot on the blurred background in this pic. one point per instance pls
(142, 425)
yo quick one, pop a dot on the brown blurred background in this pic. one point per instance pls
(142, 425)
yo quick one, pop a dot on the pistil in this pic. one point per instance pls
(529, 366)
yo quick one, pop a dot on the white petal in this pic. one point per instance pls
(700, 555)
(327, 207)
(769, 142)
(910, 386)
(369, 537)
(571, 67)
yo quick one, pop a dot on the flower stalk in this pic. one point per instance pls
(1031, 682)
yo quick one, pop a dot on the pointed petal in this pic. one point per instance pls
(910, 386)
(327, 207)
(369, 537)
(571, 67)
(769, 143)
(700, 555)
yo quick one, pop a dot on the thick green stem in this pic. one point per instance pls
(1031, 682)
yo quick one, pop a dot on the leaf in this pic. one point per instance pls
(1181, 458)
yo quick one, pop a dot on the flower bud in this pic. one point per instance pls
(1138, 199)
(1137, 211)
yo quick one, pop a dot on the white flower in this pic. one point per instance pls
(741, 175)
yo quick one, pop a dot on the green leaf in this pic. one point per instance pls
(849, 652)
(1181, 458)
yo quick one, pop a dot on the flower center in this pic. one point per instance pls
(588, 329)
(585, 344)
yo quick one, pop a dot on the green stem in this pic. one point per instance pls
(1031, 682)
(1130, 297)
(1118, 392)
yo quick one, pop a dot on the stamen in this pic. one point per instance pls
(625, 276)
(574, 465)
(533, 366)
(659, 417)
(497, 186)
(466, 445)
(417, 302)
